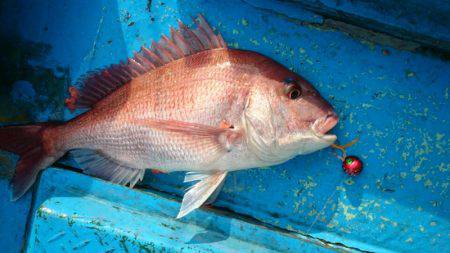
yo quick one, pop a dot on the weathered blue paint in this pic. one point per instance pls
(397, 101)
(91, 215)
(424, 18)
(13, 219)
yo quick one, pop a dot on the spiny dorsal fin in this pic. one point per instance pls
(182, 42)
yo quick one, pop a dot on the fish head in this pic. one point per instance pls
(303, 117)
(287, 115)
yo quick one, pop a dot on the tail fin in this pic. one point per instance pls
(34, 151)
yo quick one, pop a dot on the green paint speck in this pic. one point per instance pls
(439, 136)
(409, 73)
(349, 181)
(418, 177)
(254, 42)
(428, 183)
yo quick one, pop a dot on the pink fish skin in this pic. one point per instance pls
(210, 112)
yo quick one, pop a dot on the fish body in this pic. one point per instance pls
(207, 88)
(186, 104)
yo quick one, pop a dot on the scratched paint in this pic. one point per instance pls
(412, 16)
(66, 220)
(396, 101)
(402, 189)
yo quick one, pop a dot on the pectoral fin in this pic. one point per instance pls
(182, 127)
(223, 137)
(209, 186)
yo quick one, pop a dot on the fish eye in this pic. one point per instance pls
(293, 92)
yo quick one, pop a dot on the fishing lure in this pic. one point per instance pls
(351, 164)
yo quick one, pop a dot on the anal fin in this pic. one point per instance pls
(96, 164)
(208, 188)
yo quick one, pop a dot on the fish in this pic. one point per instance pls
(185, 103)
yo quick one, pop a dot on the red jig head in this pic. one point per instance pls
(352, 165)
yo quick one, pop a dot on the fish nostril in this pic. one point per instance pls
(332, 117)
(335, 117)
(331, 114)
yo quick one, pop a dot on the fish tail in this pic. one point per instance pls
(36, 148)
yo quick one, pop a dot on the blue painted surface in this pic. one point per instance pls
(397, 101)
(90, 215)
(428, 18)
(13, 219)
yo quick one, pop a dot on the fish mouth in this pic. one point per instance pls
(323, 125)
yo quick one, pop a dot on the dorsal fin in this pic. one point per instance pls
(182, 42)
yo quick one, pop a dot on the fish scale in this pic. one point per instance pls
(187, 103)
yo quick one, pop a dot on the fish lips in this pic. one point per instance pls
(307, 142)
(317, 142)
(318, 134)
(323, 125)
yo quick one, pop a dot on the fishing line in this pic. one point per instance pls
(342, 148)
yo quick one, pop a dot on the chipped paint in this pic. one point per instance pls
(136, 230)
(396, 102)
